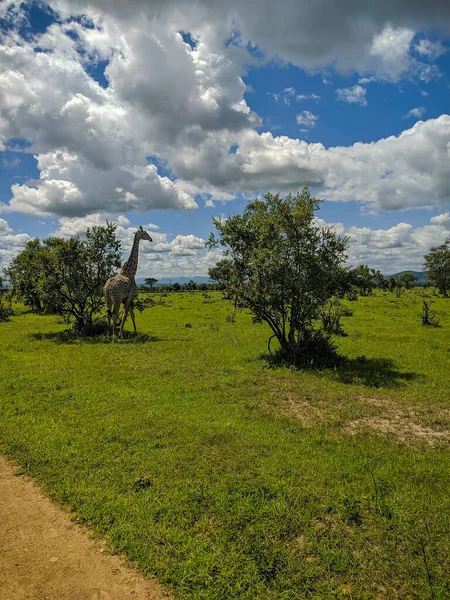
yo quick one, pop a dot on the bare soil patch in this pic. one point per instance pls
(46, 556)
(405, 423)
(384, 416)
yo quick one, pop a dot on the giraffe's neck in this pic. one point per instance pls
(129, 267)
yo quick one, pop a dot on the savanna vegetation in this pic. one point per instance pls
(228, 474)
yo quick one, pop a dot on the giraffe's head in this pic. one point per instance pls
(143, 235)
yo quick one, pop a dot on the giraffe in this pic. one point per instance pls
(122, 288)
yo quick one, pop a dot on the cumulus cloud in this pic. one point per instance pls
(306, 118)
(353, 95)
(391, 49)
(398, 248)
(69, 227)
(10, 243)
(91, 143)
(417, 113)
(443, 220)
(69, 185)
(365, 36)
(184, 103)
(430, 50)
(398, 172)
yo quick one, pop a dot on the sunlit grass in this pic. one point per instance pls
(188, 452)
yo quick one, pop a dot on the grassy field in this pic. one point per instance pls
(227, 478)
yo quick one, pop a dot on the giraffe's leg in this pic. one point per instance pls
(115, 316)
(109, 312)
(132, 318)
(124, 318)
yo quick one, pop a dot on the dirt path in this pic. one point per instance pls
(45, 556)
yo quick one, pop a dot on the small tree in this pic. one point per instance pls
(366, 280)
(284, 268)
(428, 316)
(24, 274)
(407, 279)
(190, 286)
(437, 265)
(68, 276)
(5, 310)
(150, 281)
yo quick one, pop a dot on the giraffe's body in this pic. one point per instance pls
(122, 288)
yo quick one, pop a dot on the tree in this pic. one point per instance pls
(284, 268)
(366, 280)
(190, 286)
(150, 281)
(407, 279)
(24, 273)
(437, 265)
(222, 272)
(68, 276)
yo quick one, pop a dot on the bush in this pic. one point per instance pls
(5, 312)
(428, 316)
(331, 317)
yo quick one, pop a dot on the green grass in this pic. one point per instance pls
(186, 452)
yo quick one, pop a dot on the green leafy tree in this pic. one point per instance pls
(407, 279)
(366, 280)
(284, 268)
(150, 281)
(68, 276)
(437, 265)
(222, 272)
(24, 274)
(5, 310)
(190, 286)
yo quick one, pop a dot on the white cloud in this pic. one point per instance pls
(10, 164)
(90, 143)
(394, 173)
(417, 113)
(69, 227)
(366, 80)
(391, 50)
(391, 250)
(4, 227)
(354, 95)
(443, 219)
(10, 243)
(306, 118)
(285, 96)
(430, 50)
(186, 105)
(301, 97)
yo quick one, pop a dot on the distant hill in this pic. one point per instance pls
(421, 275)
(172, 280)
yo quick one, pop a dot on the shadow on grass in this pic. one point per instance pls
(70, 337)
(371, 372)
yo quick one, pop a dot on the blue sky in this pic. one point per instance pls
(166, 116)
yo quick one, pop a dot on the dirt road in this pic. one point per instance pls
(45, 556)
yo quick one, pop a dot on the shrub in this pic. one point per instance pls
(428, 316)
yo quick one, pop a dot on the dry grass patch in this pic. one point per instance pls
(384, 416)
(406, 423)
